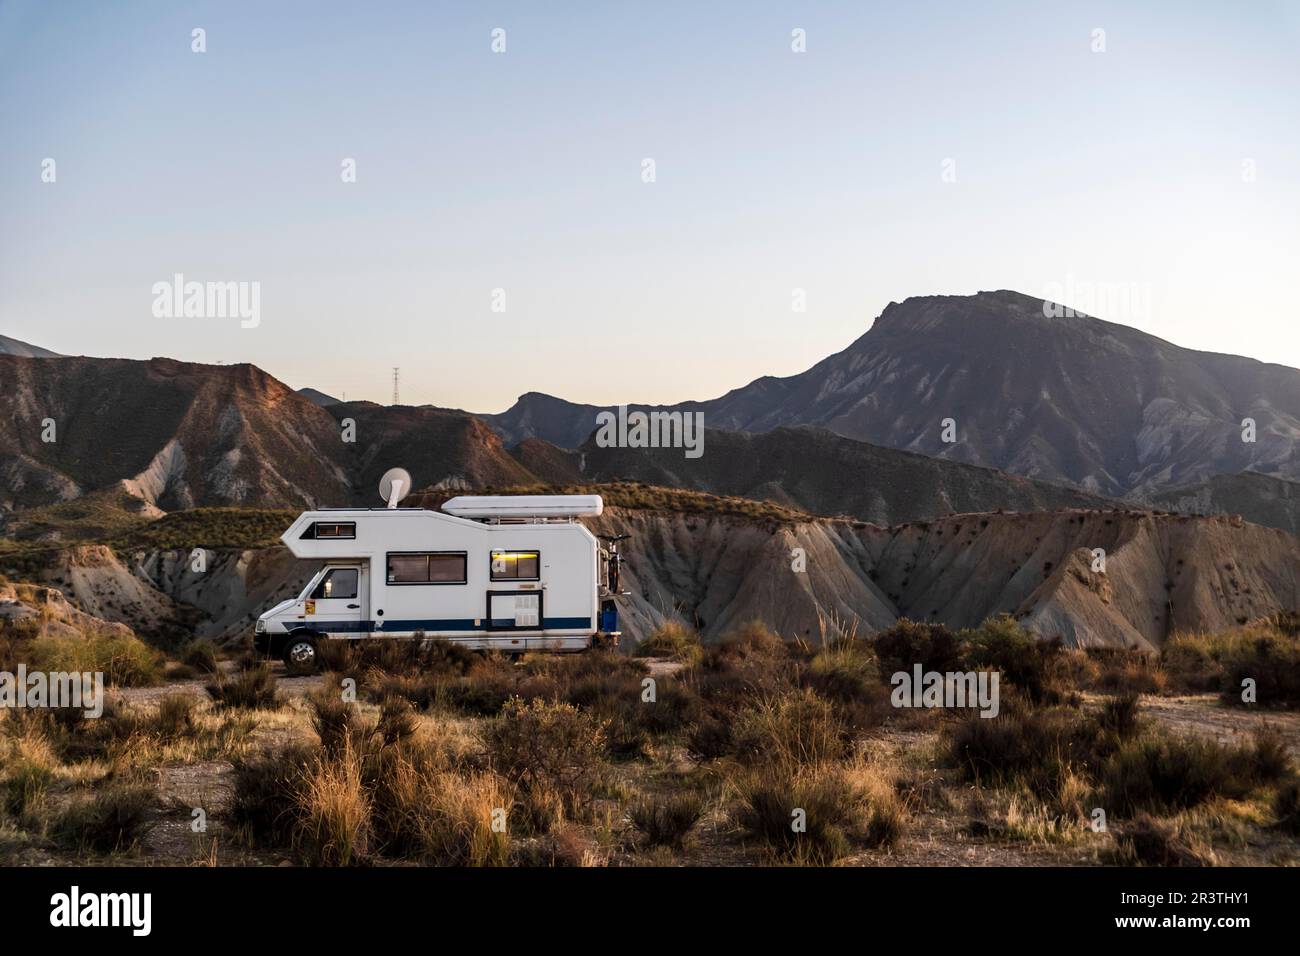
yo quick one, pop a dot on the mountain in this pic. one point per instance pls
(551, 464)
(441, 448)
(176, 434)
(536, 415)
(179, 435)
(320, 398)
(10, 346)
(817, 471)
(1272, 502)
(1068, 399)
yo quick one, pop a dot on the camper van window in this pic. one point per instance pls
(516, 565)
(426, 567)
(331, 529)
(339, 583)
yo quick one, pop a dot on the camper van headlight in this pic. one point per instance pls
(259, 627)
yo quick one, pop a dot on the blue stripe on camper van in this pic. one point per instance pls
(438, 624)
(565, 623)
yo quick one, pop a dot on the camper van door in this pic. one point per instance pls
(337, 604)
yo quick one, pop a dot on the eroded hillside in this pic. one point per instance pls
(801, 575)
(1162, 572)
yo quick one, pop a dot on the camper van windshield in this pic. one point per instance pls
(339, 583)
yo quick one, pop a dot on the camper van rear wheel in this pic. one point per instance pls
(300, 654)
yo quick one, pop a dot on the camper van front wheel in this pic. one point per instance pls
(300, 654)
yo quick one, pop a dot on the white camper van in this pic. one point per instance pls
(513, 573)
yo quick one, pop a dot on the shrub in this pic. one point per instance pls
(1194, 662)
(178, 671)
(475, 686)
(481, 695)
(1272, 661)
(567, 845)
(230, 527)
(881, 811)
(733, 672)
(402, 799)
(252, 687)
(1163, 773)
(585, 680)
(804, 817)
(415, 657)
(746, 672)
(110, 821)
(337, 722)
(27, 778)
(27, 762)
(339, 657)
(1119, 715)
(265, 798)
(633, 723)
(672, 639)
(1284, 622)
(397, 720)
(924, 788)
(420, 692)
(794, 730)
(1263, 652)
(333, 808)
(424, 810)
(1121, 670)
(123, 659)
(1037, 748)
(175, 718)
(885, 824)
(1010, 745)
(673, 709)
(1147, 841)
(711, 737)
(668, 821)
(141, 735)
(201, 655)
(552, 750)
(907, 643)
(1267, 760)
(753, 639)
(458, 828)
(845, 672)
(1002, 645)
(1286, 808)
(545, 741)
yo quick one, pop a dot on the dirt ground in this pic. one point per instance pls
(1201, 714)
(936, 836)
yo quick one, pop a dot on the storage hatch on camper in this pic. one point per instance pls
(509, 610)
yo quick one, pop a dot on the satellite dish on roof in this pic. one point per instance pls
(395, 485)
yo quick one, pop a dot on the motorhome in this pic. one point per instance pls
(511, 572)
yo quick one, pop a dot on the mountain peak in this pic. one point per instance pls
(10, 346)
(318, 397)
(1035, 391)
(926, 311)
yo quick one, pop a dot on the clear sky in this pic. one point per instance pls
(1124, 174)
